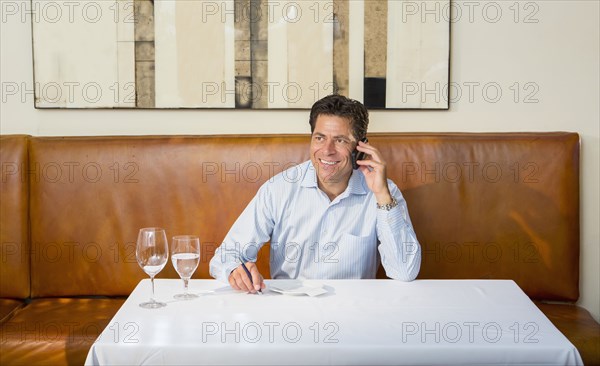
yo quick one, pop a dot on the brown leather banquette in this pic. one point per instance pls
(483, 205)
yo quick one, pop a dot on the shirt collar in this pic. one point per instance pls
(310, 176)
(356, 184)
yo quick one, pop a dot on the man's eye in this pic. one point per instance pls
(341, 141)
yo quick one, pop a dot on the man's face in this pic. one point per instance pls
(331, 148)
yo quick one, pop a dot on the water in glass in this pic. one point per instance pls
(185, 255)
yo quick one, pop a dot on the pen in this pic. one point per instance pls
(249, 276)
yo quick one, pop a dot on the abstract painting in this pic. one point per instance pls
(240, 54)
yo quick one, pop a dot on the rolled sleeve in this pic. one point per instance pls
(399, 248)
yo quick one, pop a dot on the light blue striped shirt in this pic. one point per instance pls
(315, 238)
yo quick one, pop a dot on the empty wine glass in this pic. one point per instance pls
(152, 254)
(185, 255)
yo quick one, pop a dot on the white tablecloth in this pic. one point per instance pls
(358, 322)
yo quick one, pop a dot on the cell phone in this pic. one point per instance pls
(358, 155)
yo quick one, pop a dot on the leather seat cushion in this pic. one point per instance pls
(578, 326)
(8, 307)
(55, 331)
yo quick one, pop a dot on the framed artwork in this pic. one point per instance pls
(240, 54)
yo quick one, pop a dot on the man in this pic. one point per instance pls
(330, 222)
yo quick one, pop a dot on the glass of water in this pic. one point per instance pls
(185, 255)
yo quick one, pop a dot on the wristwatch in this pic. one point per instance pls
(388, 206)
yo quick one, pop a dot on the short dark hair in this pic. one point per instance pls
(339, 105)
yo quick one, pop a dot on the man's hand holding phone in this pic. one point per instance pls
(374, 170)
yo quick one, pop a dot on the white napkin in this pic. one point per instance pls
(296, 287)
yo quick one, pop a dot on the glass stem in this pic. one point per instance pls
(152, 280)
(185, 285)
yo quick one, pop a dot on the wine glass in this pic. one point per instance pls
(185, 255)
(152, 254)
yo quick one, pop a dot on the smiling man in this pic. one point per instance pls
(335, 222)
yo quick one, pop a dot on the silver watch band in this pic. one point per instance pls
(388, 206)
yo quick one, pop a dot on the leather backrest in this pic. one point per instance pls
(14, 213)
(94, 193)
(503, 206)
(483, 205)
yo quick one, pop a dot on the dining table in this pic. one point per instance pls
(333, 322)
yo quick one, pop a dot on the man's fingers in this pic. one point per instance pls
(257, 279)
(246, 280)
(232, 282)
(372, 152)
(370, 165)
(235, 281)
(239, 279)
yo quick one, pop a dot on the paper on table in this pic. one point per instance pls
(296, 287)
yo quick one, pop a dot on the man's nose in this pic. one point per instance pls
(329, 147)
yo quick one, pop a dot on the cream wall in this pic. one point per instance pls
(558, 55)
